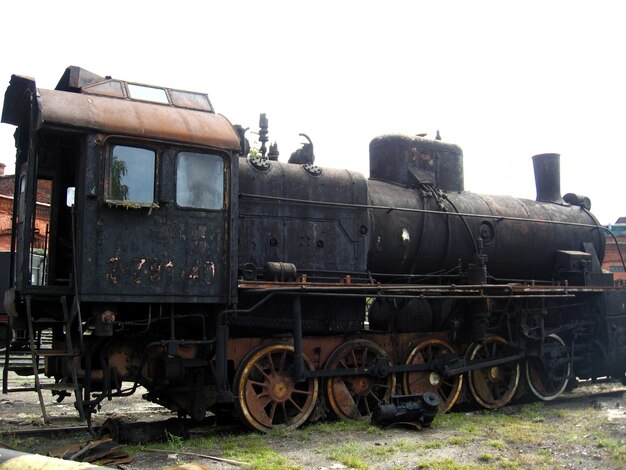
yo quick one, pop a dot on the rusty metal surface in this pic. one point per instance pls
(314, 237)
(125, 117)
(421, 243)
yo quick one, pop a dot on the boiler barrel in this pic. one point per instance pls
(415, 242)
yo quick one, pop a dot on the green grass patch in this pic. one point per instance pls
(459, 440)
(349, 454)
(445, 464)
(432, 444)
(332, 427)
(18, 443)
(252, 449)
(497, 444)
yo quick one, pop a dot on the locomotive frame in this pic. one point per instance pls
(229, 282)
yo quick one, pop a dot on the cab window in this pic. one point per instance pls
(131, 175)
(199, 181)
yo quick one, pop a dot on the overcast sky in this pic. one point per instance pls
(504, 80)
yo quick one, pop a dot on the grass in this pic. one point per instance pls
(514, 438)
(446, 464)
(349, 454)
(497, 444)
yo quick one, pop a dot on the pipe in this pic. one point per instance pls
(548, 177)
(12, 459)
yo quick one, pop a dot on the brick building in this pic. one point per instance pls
(612, 260)
(7, 186)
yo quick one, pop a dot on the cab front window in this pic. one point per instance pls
(131, 175)
(199, 181)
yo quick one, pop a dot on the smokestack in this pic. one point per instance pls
(548, 177)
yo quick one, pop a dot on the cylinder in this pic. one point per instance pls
(548, 177)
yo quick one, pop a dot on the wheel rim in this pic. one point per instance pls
(494, 386)
(448, 389)
(547, 383)
(267, 395)
(355, 397)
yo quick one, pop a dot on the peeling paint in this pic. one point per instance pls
(144, 270)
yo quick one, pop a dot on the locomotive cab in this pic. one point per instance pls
(150, 171)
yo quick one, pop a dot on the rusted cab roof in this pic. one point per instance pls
(120, 116)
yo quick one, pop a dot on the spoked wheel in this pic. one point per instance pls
(492, 386)
(267, 395)
(548, 375)
(419, 382)
(356, 396)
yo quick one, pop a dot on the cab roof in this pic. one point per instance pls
(85, 100)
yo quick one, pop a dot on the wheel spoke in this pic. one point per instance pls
(367, 406)
(295, 404)
(373, 395)
(260, 369)
(354, 359)
(260, 384)
(285, 414)
(272, 411)
(343, 364)
(302, 392)
(270, 361)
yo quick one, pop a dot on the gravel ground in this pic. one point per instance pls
(585, 429)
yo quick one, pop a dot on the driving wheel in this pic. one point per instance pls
(548, 375)
(493, 386)
(419, 382)
(356, 396)
(267, 395)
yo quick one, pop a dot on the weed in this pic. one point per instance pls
(20, 443)
(250, 448)
(458, 440)
(444, 464)
(332, 427)
(509, 464)
(349, 454)
(173, 440)
(497, 444)
(432, 445)
(485, 457)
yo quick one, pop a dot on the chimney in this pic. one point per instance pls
(548, 177)
(2, 167)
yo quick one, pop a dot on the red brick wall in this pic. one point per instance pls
(7, 185)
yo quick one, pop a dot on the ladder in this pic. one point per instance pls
(35, 328)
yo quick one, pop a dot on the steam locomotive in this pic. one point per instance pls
(223, 280)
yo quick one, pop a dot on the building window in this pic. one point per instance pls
(617, 269)
(200, 181)
(131, 175)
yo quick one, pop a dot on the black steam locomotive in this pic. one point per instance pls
(223, 280)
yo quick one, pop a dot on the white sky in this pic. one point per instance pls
(504, 80)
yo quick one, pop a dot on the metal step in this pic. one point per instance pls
(57, 386)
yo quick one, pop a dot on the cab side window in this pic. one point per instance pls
(200, 181)
(131, 175)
